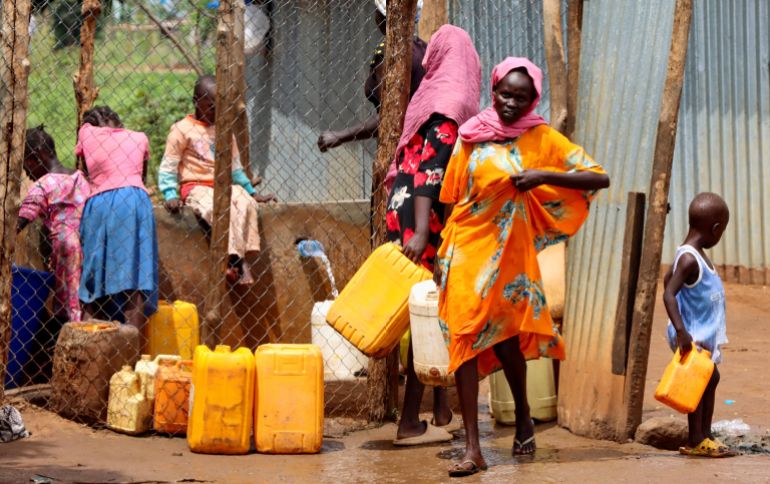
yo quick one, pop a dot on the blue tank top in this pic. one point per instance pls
(702, 306)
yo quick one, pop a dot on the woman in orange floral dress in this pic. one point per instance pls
(515, 185)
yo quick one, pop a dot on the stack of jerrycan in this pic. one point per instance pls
(222, 401)
(173, 330)
(372, 311)
(172, 396)
(129, 411)
(289, 408)
(86, 356)
(541, 386)
(685, 380)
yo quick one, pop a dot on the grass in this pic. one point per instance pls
(140, 75)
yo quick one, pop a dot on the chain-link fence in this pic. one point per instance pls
(99, 248)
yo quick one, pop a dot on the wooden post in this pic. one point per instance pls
(557, 67)
(655, 223)
(383, 373)
(86, 91)
(574, 34)
(239, 74)
(434, 15)
(225, 118)
(15, 72)
(632, 251)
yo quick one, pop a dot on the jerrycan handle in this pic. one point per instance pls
(686, 359)
(185, 364)
(161, 358)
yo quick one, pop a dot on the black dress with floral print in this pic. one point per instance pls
(421, 167)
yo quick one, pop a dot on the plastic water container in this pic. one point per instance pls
(221, 401)
(552, 271)
(431, 355)
(289, 408)
(684, 381)
(29, 292)
(541, 393)
(147, 368)
(173, 330)
(372, 312)
(341, 359)
(128, 410)
(172, 396)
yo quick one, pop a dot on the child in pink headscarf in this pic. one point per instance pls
(447, 97)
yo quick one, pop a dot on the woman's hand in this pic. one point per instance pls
(270, 197)
(528, 179)
(437, 272)
(414, 249)
(174, 205)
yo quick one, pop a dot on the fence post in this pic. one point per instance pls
(574, 34)
(241, 127)
(383, 372)
(15, 48)
(86, 91)
(557, 70)
(655, 223)
(225, 117)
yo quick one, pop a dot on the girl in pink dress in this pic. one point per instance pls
(58, 197)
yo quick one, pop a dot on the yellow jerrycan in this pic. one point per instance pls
(541, 393)
(289, 408)
(685, 380)
(173, 330)
(221, 401)
(372, 312)
(128, 410)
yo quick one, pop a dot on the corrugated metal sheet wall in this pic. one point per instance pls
(623, 67)
(723, 141)
(502, 28)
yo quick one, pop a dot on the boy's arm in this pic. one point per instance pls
(168, 183)
(239, 178)
(686, 270)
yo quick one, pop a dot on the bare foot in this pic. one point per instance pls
(470, 464)
(405, 431)
(246, 278)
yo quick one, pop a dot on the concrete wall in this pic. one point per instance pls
(278, 306)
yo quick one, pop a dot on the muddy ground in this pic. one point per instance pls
(68, 452)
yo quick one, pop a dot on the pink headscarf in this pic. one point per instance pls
(487, 125)
(451, 86)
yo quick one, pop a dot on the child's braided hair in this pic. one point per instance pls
(100, 116)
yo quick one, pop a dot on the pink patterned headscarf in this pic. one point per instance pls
(487, 125)
(451, 86)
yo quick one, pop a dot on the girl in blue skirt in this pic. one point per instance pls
(120, 246)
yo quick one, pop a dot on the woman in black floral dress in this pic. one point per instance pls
(447, 97)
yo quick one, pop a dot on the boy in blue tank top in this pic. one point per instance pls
(695, 303)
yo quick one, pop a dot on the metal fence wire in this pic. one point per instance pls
(306, 64)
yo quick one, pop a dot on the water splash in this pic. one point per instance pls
(314, 248)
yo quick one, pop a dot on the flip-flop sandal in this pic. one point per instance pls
(432, 435)
(719, 450)
(459, 469)
(519, 446)
(453, 426)
(704, 449)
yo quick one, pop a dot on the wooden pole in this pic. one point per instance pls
(574, 35)
(86, 91)
(170, 35)
(383, 373)
(557, 67)
(15, 72)
(225, 119)
(434, 15)
(655, 223)
(239, 74)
